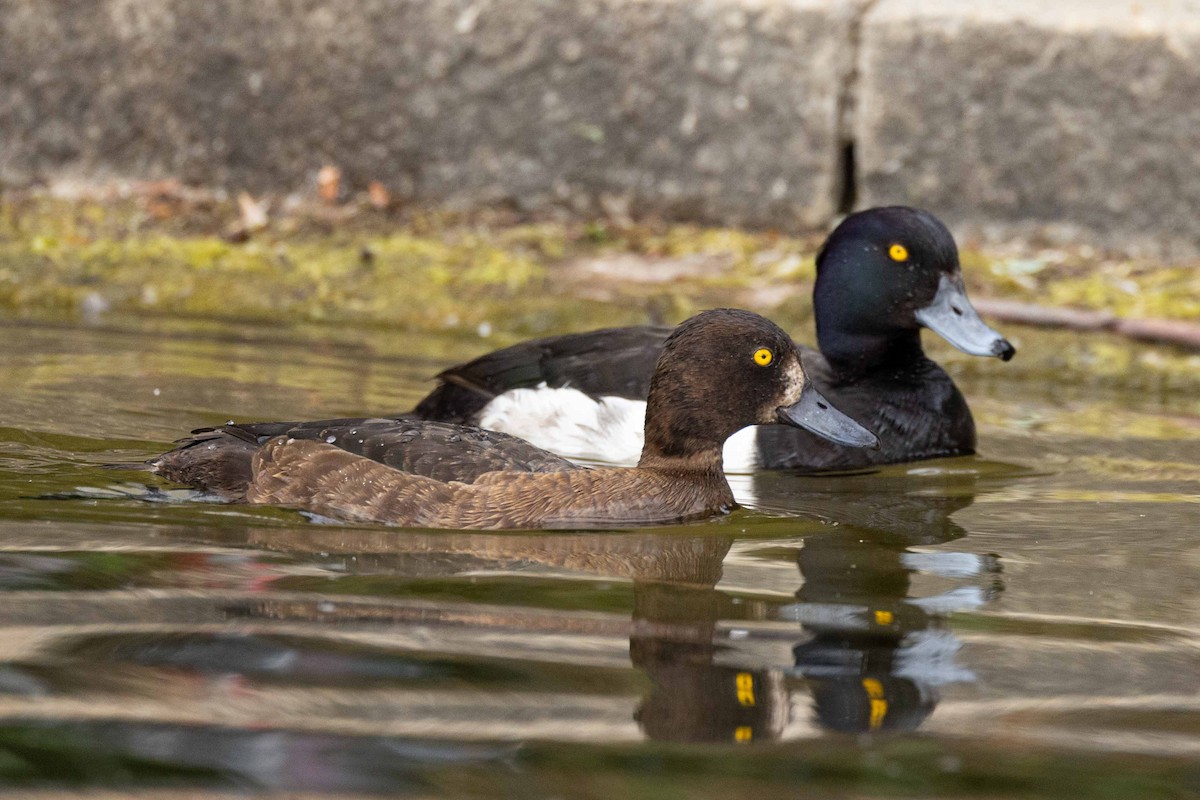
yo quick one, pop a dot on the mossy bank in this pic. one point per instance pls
(173, 253)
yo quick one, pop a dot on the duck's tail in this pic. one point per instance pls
(214, 460)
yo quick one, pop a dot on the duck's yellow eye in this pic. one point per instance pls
(763, 356)
(898, 252)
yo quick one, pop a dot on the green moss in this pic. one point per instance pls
(1126, 287)
(425, 269)
(54, 262)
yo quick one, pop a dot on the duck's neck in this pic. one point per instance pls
(685, 430)
(701, 470)
(673, 442)
(860, 353)
(704, 463)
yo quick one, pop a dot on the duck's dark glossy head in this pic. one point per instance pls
(885, 273)
(725, 369)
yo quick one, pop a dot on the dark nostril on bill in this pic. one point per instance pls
(956, 310)
(823, 406)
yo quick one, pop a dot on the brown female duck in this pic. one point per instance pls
(719, 372)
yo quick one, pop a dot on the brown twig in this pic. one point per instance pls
(1159, 331)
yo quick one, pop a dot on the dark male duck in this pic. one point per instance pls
(882, 275)
(717, 373)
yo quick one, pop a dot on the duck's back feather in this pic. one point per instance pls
(616, 362)
(218, 460)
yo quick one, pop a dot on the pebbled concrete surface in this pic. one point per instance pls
(721, 110)
(1075, 120)
(1077, 115)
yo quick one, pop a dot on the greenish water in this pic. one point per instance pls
(1020, 624)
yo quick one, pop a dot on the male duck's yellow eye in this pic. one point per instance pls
(898, 252)
(763, 356)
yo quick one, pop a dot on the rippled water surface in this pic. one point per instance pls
(1019, 624)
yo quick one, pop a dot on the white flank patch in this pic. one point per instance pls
(741, 451)
(741, 459)
(568, 422)
(608, 431)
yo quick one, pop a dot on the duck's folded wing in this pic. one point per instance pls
(218, 460)
(324, 479)
(329, 481)
(441, 451)
(606, 362)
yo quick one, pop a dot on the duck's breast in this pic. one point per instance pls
(917, 413)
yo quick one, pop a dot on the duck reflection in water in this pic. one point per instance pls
(694, 696)
(865, 631)
(874, 657)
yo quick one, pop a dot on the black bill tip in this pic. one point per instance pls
(951, 316)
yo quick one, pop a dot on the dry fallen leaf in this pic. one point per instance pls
(254, 212)
(380, 197)
(329, 183)
(252, 216)
(160, 199)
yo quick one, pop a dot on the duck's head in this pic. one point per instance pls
(883, 274)
(725, 369)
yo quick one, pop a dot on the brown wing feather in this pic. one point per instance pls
(324, 479)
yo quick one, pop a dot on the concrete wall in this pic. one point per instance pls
(1082, 116)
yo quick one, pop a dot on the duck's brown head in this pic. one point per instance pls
(725, 369)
